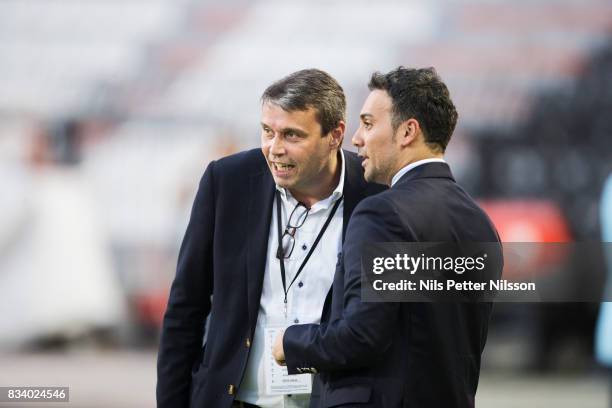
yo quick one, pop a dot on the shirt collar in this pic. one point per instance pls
(335, 195)
(411, 166)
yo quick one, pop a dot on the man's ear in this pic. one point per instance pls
(408, 132)
(337, 135)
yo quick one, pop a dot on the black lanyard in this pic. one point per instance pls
(312, 248)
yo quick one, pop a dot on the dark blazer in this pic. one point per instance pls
(224, 254)
(399, 354)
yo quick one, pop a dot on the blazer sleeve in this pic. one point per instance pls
(365, 330)
(189, 301)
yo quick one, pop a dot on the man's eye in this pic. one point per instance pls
(367, 125)
(291, 135)
(267, 131)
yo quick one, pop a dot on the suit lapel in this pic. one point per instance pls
(261, 196)
(354, 187)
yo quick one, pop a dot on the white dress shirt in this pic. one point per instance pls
(411, 166)
(307, 294)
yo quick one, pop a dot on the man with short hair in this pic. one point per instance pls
(299, 192)
(399, 354)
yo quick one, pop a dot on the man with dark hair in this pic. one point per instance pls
(399, 354)
(419, 94)
(259, 252)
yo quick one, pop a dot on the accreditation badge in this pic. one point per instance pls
(277, 379)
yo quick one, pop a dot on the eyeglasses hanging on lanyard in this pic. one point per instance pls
(286, 240)
(296, 220)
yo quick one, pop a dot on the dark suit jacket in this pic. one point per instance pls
(224, 254)
(399, 354)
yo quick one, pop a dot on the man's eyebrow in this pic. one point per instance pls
(293, 130)
(297, 131)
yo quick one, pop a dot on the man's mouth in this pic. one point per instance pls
(282, 167)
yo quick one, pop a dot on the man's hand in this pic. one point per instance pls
(277, 350)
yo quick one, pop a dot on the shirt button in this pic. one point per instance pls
(296, 321)
(248, 342)
(300, 284)
(231, 389)
(304, 247)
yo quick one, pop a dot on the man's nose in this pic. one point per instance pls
(277, 146)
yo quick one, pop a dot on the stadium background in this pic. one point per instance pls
(110, 110)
